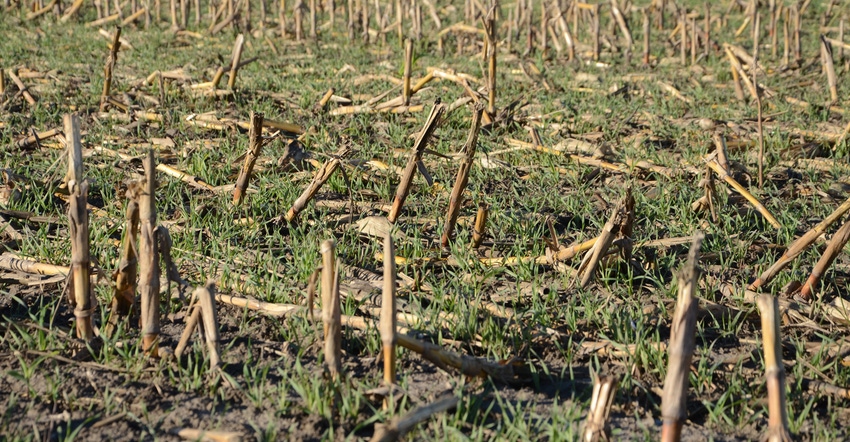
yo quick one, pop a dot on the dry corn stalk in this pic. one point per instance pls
(82, 299)
(829, 68)
(606, 237)
(777, 430)
(206, 301)
(408, 60)
(415, 157)
(399, 426)
(22, 87)
(596, 425)
(480, 225)
(674, 408)
(149, 259)
(492, 41)
(836, 245)
(389, 322)
(331, 309)
(234, 63)
(462, 178)
(799, 245)
(322, 176)
(128, 267)
(255, 137)
(192, 320)
(108, 68)
(724, 175)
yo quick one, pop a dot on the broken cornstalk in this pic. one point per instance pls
(149, 259)
(674, 408)
(777, 430)
(255, 137)
(462, 175)
(108, 68)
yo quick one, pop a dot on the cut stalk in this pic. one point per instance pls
(389, 323)
(83, 301)
(149, 260)
(399, 426)
(829, 68)
(124, 298)
(108, 68)
(408, 60)
(331, 309)
(646, 31)
(722, 174)
(490, 32)
(480, 226)
(596, 424)
(206, 300)
(462, 178)
(674, 410)
(800, 245)
(777, 430)
(415, 157)
(234, 62)
(836, 245)
(755, 69)
(322, 176)
(255, 137)
(600, 247)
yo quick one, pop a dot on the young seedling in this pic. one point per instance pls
(777, 430)
(595, 427)
(78, 219)
(255, 137)
(108, 68)
(149, 259)
(331, 309)
(674, 401)
(836, 245)
(422, 139)
(462, 176)
(799, 245)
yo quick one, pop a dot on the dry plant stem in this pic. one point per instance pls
(774, 369)
(128, 267)
(836, 245)
(755, 69)
(149, 260)
(408, 60)
(799, 245)
(206, 302)
(674, 401)
(600, 247)
(322, 176)
(192, 321)
(829, 68)
(416, 156)
(110, 65)
(399, 426)
(646, 35)
(492, 42)
(722, 174)
(462, 176)
(255, 137)
(480, 225)
(234, 63)
(83, 301)
(621, 23)
(331, 309)
(11, 262)
(326, 98)
(21, 87)
(211, 436)
(596, 424)
(389, 323)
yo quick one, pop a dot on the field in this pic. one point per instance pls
(660, 219)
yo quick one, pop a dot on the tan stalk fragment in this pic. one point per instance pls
(255, 147)
(331, 309)
(422, 139)
(595, 426)
(674, 410)
(774, 368)
(456, 199)
(149, 260)
(109, 67)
